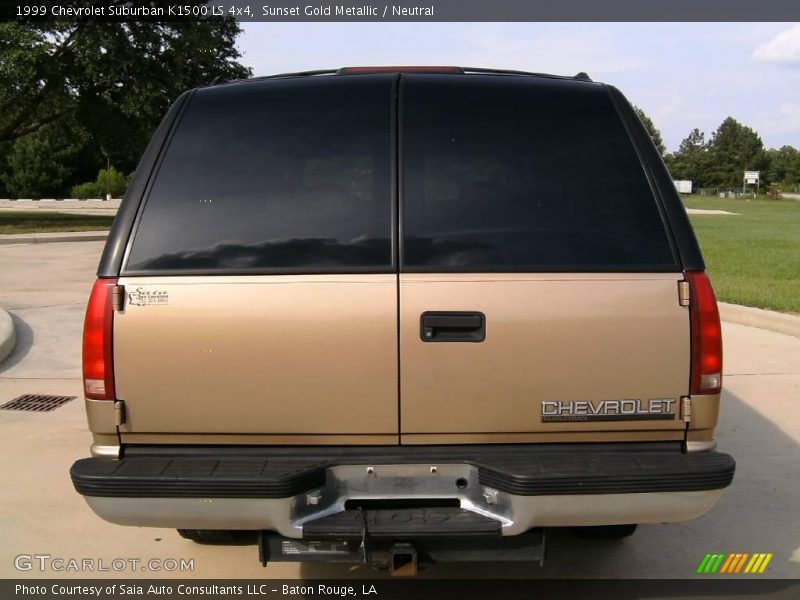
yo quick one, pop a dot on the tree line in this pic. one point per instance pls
(721, 160)
(78, 97)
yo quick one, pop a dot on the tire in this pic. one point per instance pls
(607, 532)
(213, 536)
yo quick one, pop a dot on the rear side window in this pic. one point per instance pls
(522, 174)
(277, 176)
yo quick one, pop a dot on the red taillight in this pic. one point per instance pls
(706, 335)
(98, 363)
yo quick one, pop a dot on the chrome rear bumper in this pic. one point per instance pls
(157, 492)
(527, 512)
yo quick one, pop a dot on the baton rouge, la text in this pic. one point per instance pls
(195, 590)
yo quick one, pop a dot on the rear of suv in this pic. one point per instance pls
(385, 314)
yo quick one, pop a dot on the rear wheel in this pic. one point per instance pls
(607, 532)
(213, 536)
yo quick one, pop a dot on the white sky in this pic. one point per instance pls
(683, 75)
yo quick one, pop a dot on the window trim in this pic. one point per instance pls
(391, 268)
(649, 175)
(153, 175)
(115, 252)
(114, 262)
(687, 248)
(674, 267)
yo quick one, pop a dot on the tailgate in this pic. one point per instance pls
(565, 357)
(287, 355)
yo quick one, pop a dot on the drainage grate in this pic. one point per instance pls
(36, 402)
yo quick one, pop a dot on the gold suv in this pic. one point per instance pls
(392, 314)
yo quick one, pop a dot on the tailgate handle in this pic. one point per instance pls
(453, 326)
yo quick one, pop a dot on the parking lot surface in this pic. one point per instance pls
(45, 287)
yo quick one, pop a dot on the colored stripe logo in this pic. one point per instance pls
(734, 563)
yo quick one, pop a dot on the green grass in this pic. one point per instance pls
(753, 258)
(30, 221)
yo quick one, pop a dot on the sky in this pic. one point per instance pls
(683, 75)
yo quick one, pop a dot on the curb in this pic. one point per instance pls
(758, 317)
(7, 336)
(51, 238)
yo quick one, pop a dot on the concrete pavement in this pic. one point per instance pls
(53, 237)
(708, 211)
(45, 291)
(763, 319)
(73, 206)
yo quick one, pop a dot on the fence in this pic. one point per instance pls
(726, 192)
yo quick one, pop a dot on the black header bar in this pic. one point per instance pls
(406, 10)
(395, 588)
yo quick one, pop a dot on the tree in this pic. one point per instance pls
(733, 149)
(652, 130)
(38, 162)
(113, 81)
(691, 160)
(793, 172)
(133, 71)
(109, 181)
(784, 166)
(33, 92)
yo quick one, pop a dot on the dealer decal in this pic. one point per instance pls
(144, 297)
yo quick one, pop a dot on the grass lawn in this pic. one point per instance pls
(753, 258)
(35, 221)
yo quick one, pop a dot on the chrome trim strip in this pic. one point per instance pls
(701, 446)
(102, 451)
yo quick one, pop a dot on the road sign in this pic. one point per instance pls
(684, 186)
(751, 177)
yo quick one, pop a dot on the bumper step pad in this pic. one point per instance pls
(184, 477)
(282, 472)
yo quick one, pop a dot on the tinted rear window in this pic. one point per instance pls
(522, 174)
(287, 175)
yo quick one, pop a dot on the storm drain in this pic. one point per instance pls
(36, 402)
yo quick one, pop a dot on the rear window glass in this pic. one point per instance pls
(287, 175)
(522, 174)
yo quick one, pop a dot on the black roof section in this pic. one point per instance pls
(582, 76)
(666, 195)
